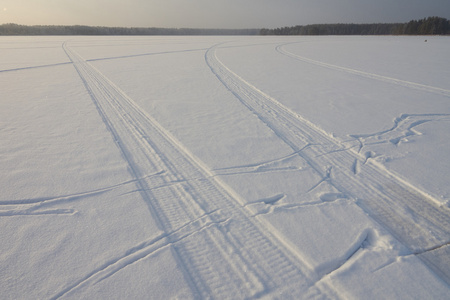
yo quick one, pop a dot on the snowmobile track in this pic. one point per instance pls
(411, 215)
(224, 251)
(413, 85)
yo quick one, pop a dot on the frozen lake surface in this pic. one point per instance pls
(225, 167)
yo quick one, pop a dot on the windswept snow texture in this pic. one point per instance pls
(225, 167)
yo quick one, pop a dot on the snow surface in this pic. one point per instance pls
(225, 167)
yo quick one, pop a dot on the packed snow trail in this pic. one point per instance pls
(225, 252)
(411, 215)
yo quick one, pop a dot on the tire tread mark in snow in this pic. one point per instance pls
(239, 258)
(412, 216)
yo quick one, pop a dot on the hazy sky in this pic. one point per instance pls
(216, 13)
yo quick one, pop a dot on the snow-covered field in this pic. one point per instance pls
(225, 167)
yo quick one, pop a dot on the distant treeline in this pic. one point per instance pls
(427, 26)
(15, 29)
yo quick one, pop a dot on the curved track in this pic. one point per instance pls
(413, 85)
(411, 215)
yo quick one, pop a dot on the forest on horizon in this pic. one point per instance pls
(426, 26)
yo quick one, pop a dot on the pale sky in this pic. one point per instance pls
(216, 13)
